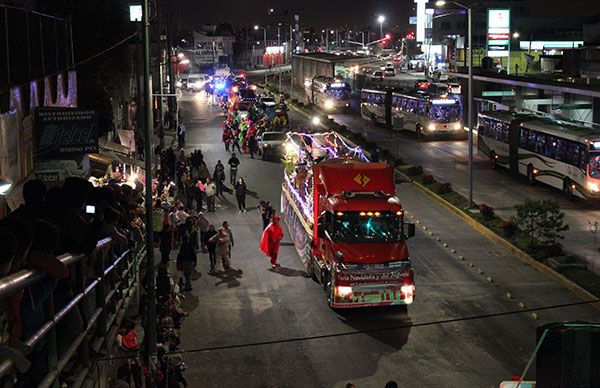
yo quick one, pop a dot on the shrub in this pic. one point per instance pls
(414, 170)
(444, 188)
(551, 250)
(509, 228)
(541, 220)
(487, 212)
(427, 179)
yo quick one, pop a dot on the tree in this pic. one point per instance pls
(542, 221)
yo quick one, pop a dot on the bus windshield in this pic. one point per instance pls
(352, 227)
(595, 164)
(444, 113)
(339, 93)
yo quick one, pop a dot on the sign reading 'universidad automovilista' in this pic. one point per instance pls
(61, 133)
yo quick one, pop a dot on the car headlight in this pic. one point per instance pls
(458, 126)
(289, 148)
(431, 127)
(266, 145)
(329, 104)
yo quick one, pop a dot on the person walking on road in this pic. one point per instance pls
(219, 177)
(266, 212)
(233, 163)
(240, 194)
(211, 190)
(198, 192)
(203, 225)
(187, 260)
(222, 241)
(252, 145)
(181, 130)
(165, 243)
(230, 235)
(271, 240)
(211, 246)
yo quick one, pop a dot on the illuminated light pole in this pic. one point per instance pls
(256, 28)
(441, 3)
(380, 19)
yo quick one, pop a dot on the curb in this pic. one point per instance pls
(573, 287)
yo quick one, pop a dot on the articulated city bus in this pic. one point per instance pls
(328, 93)
(558, 153)
(423, 113)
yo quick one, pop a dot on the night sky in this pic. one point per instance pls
(333, 13)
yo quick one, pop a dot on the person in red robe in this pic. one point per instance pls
(271, 239)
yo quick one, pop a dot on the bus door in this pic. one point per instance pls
(388, 108)
(514, 134)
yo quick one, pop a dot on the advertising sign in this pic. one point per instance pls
(498, 32)
(64, 133)
(9, 146)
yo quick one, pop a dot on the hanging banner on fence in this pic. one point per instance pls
(62, 133)
(127, 138)
(9, 146)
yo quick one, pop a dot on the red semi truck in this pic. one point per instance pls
(346, 222)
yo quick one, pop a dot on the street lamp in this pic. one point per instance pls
(256, 28)
(441, 3)
(516, 35)
(381, 19)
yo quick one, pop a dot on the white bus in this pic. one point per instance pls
(425, 114)
(560, 154)
(328, 93)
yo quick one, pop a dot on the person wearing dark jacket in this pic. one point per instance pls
(240, 194)
(165, 244)
(187, 261)
(211, 246)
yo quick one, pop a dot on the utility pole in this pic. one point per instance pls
(171, 99)
(150, 331)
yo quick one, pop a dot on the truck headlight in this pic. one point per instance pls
(329, 104)
(458, 126)
(593, 187)
(431, 127)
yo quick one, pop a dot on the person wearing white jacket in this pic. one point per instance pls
(210, 189)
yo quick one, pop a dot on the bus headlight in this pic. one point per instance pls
(431, 127)
(592, 186)
(329, 104)
(458, 126)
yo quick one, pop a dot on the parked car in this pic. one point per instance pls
(271, 144)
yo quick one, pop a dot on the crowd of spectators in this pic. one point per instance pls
(69, 219)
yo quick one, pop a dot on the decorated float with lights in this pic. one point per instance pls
(346, 222)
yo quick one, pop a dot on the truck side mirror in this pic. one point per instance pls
(321, 226)
(410, 230)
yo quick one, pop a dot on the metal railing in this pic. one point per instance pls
(101, 278)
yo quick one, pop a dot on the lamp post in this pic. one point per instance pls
(256, 28)
(441, 3)
(381, 19)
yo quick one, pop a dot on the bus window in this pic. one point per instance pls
(411, 105)
(523, 138)
(531, 141)
(540, 144)
(562, 150)
(594, 164)
(550, 149)
(505, 132)
(583, 157)
(396, 101)
(422, 108)
(404, 104)
(573, 153)
(444, 114)
(364, 97)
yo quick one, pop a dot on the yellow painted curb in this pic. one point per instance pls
(573, 287)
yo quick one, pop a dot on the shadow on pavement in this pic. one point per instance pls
(190, 302)
(195, 274)
(379, 318)
(229, 277)
(289, 272)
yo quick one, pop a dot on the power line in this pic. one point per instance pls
(368, 331)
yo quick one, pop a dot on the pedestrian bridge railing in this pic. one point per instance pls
(104, 286)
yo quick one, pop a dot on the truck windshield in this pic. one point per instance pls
(366, 227)
(595, 164)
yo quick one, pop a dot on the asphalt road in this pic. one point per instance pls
(252, 304)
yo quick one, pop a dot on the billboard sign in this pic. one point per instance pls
(498, 32)
(64, 133)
